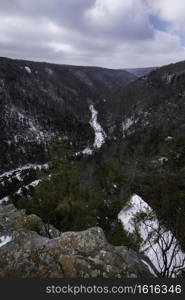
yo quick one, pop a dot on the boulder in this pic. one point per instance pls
(25, 253)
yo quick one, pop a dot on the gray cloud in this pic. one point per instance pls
(110, 33)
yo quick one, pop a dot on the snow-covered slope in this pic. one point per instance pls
(4, 240)
(13, 181)
(100, 134)
(158, 243)
(42, 103)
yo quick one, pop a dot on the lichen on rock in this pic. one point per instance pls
(84, 254)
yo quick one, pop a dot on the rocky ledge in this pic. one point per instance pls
(29, 248)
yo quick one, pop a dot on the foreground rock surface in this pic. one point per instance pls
(26, 253)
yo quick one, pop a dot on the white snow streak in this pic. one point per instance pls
(28, 69)
(4, 240)
(100, 134)
(4, 200)
(87, 151)
(26, 167)
(126, 124)
(33, 184)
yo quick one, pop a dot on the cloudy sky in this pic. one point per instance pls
(108, 33)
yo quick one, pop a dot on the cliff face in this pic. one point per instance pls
(48, 253)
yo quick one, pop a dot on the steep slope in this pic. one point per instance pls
(40, 102)
(150, 133)
(152, 103)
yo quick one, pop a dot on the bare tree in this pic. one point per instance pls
(168, 258)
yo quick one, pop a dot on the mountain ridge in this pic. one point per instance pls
(115, 141)
(46, 101)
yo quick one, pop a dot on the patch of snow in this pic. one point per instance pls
(126, 124)
(28, 69)
(169, 78)
(26, 167)
(4, 200)
(32, 126)
(87, 151)
(100, 134)
(155, 237)
(9, 143)
(28, 121)
(2, 83)
(19, 192)
(115, 186)
(15, 138)
(33, 184)
(169, 138)
(18, 176)
(21, 117)
(45, 166)
(134, 206)
(39, 134)
(4, 240)
(163, 159)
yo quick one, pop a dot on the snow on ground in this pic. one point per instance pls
(4, 240)
(87, 151)
(33, 184)
(28, 69)
(100, 134)
(126, 124)
(26, 167)
(160, 161)
(4, 200)
(16, 173)
(135, 205)
(169, 78)
(18, 176)
(156, 239)
(169, 138)
(163, 159)
(33, 127)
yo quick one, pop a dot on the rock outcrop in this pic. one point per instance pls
(29, 248)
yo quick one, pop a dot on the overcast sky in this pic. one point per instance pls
(108, 33)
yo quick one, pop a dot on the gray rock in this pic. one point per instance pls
(25, 253)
